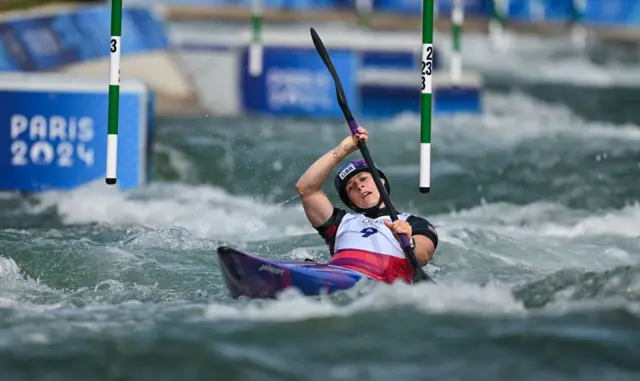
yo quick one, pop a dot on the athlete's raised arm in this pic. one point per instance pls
(315, 202)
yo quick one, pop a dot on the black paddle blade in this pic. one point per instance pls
(421, 276)
(322, 51)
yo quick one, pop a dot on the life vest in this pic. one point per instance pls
(368, 246)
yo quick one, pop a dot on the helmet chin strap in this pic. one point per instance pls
(367, 211)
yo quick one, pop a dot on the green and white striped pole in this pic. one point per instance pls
(457, 19)
(578, 31)
(364, 8)
(114, 91)
(426, 102)
(255, 48)
(498, 22)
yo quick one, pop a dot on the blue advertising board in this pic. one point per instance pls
(57, 139)
(548, 10)
(603, 12)
(606, 12)
(52, 41)
(296, 5)
(613, 12)
(471, 7)
(396, 60)
(388, 101)
(295, 82)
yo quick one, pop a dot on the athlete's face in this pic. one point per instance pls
(362, 190)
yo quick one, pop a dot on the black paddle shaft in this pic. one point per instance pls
(418, 274)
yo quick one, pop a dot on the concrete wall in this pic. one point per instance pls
(159, 70)
(215, 77)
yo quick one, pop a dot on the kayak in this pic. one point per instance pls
(256, 277)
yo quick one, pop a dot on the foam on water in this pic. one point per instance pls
(452, 298)
(186, 169)
(546, 219)
(9, 275)
(622, 222)
(538, 59)
(20, 291)
(514, 243)
(503, 126)
(205, 211)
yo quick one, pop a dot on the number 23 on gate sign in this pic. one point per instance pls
(427, 67)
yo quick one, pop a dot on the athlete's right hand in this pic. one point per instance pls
(350, 143)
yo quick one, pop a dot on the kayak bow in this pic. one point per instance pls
(255, 277)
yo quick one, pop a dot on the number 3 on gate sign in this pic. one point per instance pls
(427, 67)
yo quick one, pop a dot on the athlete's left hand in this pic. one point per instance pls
(399, 227)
